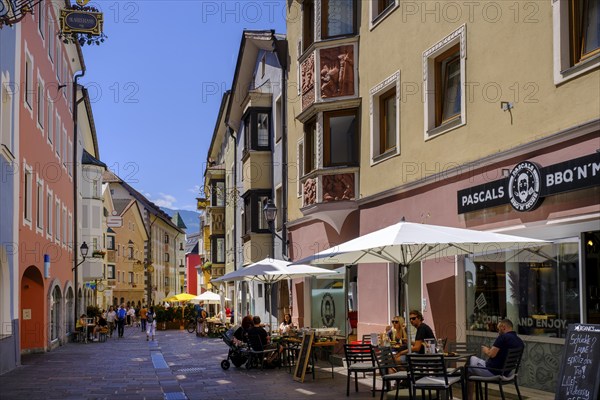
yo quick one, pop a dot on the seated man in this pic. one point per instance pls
(260, 340)
(423, 332)
(507, 339)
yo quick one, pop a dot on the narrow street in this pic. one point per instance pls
(178, 365)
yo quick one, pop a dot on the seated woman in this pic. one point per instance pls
(286, 325)
(397, 332)
(101, 323)
(240, 336)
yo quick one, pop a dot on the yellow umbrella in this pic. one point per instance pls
(182, 297)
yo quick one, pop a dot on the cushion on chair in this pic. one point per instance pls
(432, 381)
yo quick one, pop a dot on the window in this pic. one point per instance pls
(279, 116)
(64, 227)
(28, 81)
(167, 238)
(6, 114)
(40, 103)
(50, 41)
(39, 217)
(260, 290)
(380, 9)
(300, 167)
(130, 251)
(448, 93)
(308, 23)
(585, 29)
(57, 132)
(130, 277)
(218, 249)
(27, 193)
(110, 242)
(57, 219)
(50, 120)
(256, 130)
(167, 256)
(444, 65)
(340, 134)
(41, 17)
(279, 204)
(110, 271)
(576, 38)
(338, 18)
(538, 290)
(64, 150)
(70, 229)
(310, 146)
(218, 193)
(385, 118)
(49, 207)
(253, 217)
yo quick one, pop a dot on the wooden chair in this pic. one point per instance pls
(429, 372)
(103, 334)
(388, 370)
(359, 358)
(508, 374)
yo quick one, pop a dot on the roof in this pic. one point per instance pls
(88, 159)
(178, 221)
(121, 204)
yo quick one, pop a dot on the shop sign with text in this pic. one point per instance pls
(527, 184)
(77, 21)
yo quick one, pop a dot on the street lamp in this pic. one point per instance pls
(83, 249)
(270, 213)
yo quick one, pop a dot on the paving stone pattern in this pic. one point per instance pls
(177, 365)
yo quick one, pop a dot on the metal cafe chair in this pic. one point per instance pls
(257, 354)
(508, 374)
(389, 373)
(359, 358)
(429, 372)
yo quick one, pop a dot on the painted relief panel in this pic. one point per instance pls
(338, 187)
(308, 81)
(309, 192)
(337, 71)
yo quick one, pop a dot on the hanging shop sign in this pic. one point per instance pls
(527, 184)
(80, 21)
(13, 11)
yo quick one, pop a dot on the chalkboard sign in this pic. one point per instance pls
(303, 356)
(579, 376)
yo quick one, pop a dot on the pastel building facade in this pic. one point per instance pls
(459, 119)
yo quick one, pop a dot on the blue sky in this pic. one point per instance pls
(156, 84)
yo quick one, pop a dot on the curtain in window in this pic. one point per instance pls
(340, 17)
(591, 27)
(451, 95)
(263, 129)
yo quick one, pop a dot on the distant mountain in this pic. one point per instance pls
(190, 219)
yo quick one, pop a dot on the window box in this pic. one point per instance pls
(98, 254)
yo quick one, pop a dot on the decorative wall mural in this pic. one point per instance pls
(338, 187)
(337, 71)
(308, 81)
(310, 192)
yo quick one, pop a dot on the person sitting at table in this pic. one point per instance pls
(260, 340)
(397, 332)
(507, 339)
(286, 325)
(81, 325)
(240, 336)
(101, 323)
(423, 332)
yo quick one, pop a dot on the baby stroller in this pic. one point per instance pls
(238, 355)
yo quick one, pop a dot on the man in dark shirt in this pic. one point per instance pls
(507, 339)
(423, 332)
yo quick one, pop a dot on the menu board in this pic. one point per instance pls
(579, 376)
(303, 356)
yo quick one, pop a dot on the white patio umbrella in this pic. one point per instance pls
(209, 298)
(271, 270)
(405, 243)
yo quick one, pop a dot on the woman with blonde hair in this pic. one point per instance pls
(398, 332)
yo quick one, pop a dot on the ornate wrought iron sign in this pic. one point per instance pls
(13, 11)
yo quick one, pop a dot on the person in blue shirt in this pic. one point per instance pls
(507, 339)
(121, 317)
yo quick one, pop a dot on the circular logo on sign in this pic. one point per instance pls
(524, 186)
(327, 310)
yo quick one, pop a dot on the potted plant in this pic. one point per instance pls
(98, 253)
(161, 317)
(207, 266)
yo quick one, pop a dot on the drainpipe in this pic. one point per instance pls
(75, 250)
(281, 50)
(236, 315)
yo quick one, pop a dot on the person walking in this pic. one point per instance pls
(121, 319)
(111, 317)
(150, 323)
(143, 318)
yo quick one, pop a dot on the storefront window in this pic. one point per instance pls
(538, 289)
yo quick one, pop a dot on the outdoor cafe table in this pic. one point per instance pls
(325, 347)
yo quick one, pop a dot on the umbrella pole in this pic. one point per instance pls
(270, 308)
(404, 283)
